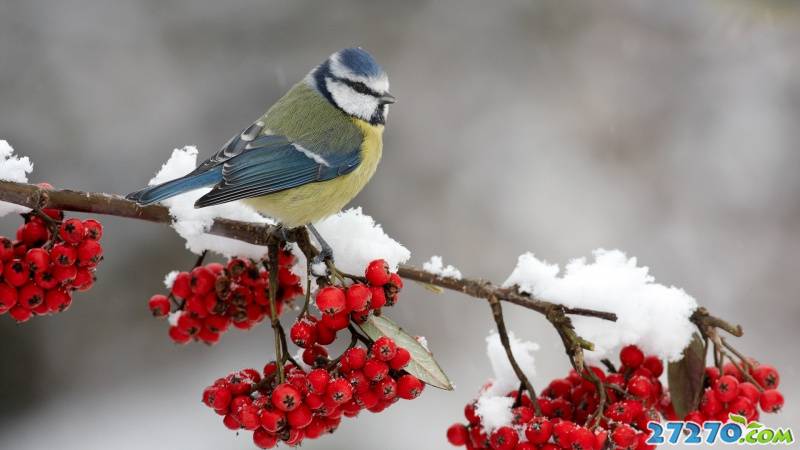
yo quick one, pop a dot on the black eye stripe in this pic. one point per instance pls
(359, 87)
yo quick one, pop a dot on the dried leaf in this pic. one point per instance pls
(422, 364)
(686, 378)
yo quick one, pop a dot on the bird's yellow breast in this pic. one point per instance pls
(314, 201)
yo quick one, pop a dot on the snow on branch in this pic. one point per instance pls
(653, 316)
(13, 168)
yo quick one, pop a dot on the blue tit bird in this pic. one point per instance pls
(308, 155)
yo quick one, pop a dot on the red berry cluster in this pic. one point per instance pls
(633, 392)
(210, 298)
(310, 404)
(339, 305)
(733, 392)
(50, 258)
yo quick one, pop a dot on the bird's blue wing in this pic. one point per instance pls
(271, 164)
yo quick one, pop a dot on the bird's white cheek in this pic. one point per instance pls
(352, 102)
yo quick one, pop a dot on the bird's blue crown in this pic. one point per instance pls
(359, 62)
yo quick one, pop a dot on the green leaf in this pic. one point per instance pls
(737, 418)
(422, 364)
(686, 377)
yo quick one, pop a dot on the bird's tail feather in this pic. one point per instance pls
(175, 187)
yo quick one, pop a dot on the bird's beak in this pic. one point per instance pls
(387, 99)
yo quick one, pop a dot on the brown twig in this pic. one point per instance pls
(497, 313)
(280, 347)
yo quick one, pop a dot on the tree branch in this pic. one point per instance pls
(33, 196)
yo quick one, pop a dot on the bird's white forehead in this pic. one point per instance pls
(379, 83)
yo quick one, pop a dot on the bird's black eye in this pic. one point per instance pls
(360, 87)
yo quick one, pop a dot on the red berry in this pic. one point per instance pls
(30, 296)
(375, 370)
(179, 336)
(8, 297)
(696, 417)
(89, 253)
(15, 273)
(504, 438)
(325, 335)
(358, 297)
(654, 365)
(559, 387)
(93, 229)
(20, 313)
(387, 389)
(317, 381)
(84, 278)
(272, 420)
(750, 391)
(315, 354)
(525, 446)
(401, 359)
(335, 322)
(409, 387)
(181, 287)
(303, 333)
(539, 430)
(6, 249)
(640, 387)
(631, 356)
(623, 436)
(37, 259)
(726, 388)
(378, 297)
(339, 391)
(34, 233)
(159, 305)
(299, 417)
(355, 357)
(65, 274)
(264, 439)
(202, 280)
(767, 376)
(57, 300)
(188, 324)
(63, 254)
(457, 434)
(771, 401)
(331, 300)
(231, 422)
(217, 397)
(377, 273)
(384, 348)
(742, 406)
(248, 417)
(710, 405)
(71, 231)
(395, 281)
(581, 438)
(561, 432)
(286, 397)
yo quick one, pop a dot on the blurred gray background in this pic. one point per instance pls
(666, 129)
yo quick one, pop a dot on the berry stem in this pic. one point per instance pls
(609, 365)
(307, 300)
(353, 341)
(280, 347)
(742, 370)
(200, 259)
(497, 314)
